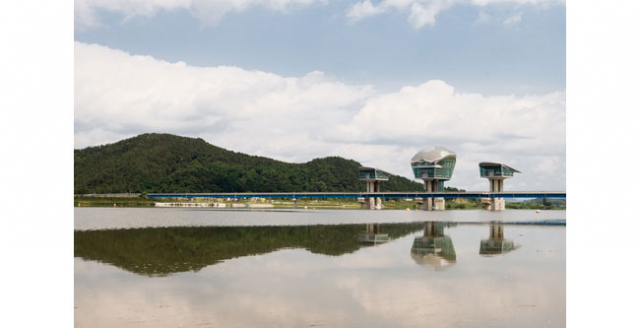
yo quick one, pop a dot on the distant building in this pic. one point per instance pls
(434, 165)
(496, 173)
(373, 177)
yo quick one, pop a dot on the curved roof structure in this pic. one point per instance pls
(432, 155)
(497, 164)
(375, 168)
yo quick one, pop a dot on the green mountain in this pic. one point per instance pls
(169, 163)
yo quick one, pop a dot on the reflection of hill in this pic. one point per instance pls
(162, 251)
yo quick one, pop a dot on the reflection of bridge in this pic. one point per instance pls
(421, 194)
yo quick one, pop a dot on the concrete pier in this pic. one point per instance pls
(432, 203)
(496, 173)
(372, 202)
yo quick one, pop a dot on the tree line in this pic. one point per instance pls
(168, 163)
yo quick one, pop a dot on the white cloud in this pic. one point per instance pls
(208, 12)
(118, 95)
(513, 19)
(364, 9)
(421, 13)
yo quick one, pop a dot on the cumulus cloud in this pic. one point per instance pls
(118, 95)
(208, 12)
(421, 13)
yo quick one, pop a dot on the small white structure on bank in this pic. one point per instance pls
(373, 177)
(496, 173)
(434, 165)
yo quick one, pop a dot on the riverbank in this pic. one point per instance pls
(89, 201)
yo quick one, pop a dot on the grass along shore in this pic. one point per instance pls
(397, 204)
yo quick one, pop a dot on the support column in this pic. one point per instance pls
(372, 202)
(428, 202)
(497, 204)
(378, 202)
(295, 203)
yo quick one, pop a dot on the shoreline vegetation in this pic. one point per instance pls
(335, 203)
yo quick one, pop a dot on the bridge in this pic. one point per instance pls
(419, 194)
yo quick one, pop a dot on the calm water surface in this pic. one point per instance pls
(295, 268)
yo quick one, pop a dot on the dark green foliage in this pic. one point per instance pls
(169, 163)
(161, 251)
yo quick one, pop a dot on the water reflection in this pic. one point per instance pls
(496, 244)
(304, 276)
(163, 251)
(373, 235)
(434, 249)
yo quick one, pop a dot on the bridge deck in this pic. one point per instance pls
(297, 195)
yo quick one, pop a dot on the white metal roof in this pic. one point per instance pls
(432, 155)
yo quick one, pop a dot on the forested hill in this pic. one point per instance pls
(169, 163)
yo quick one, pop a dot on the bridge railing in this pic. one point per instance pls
(297, 195)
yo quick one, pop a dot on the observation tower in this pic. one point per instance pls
(373, 177)
(496, 173)
(434, 165)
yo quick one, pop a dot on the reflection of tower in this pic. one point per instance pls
(496, 244)
(373, 178)
(373, 235)
(434, 165)
(434, 249)
(496, 173)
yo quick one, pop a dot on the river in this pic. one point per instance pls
(172, 267)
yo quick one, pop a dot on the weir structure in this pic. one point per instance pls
(496, 173)
(373, 177)
(434, 165)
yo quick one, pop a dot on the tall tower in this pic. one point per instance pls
(434, 165)
(373, 177)
(496, 173)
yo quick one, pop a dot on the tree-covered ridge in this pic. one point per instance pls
(162, 251)
(169, 163)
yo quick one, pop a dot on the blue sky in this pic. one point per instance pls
(301, 79)
(469, 46)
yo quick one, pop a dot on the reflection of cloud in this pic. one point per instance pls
(295, 288)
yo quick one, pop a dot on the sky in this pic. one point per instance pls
(373, 81)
